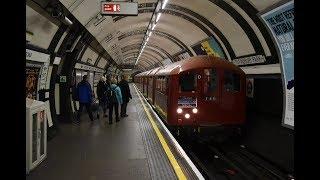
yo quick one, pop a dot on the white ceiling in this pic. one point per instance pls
(41, 27)
(106, 31)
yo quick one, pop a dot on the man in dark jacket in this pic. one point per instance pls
(85, 97)
(125, 91)
(102, 95)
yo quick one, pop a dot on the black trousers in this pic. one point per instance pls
(124, 108)
(114, 106)
(88, 108)
(103, 105)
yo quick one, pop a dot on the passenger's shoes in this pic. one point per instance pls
(105, 115)
(117, 120)
(126, 115)
(98, 116)
(110, 122)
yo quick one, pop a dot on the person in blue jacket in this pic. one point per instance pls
(115, 98)
(85, 97)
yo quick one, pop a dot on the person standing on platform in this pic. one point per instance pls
(114, 99)
(85, 97)
(102, 96)
(126, 95)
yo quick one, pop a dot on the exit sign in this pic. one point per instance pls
(119, 8)
(111, 8)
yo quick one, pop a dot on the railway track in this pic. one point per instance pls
(229, 161)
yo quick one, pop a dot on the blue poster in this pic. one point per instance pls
(280, 22)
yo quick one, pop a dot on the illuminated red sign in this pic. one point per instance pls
(119, 8)
(111, 7)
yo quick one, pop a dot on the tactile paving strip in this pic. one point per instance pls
(159, 164)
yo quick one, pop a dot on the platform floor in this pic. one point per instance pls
(128, 149)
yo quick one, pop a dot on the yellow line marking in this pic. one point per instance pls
(164, 144)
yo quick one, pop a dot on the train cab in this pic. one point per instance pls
(202, 91)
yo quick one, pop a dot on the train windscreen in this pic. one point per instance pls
(188, 82)
(210, 81)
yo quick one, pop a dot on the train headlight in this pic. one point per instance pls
(195, 110)
(187, 116)
(179, 110)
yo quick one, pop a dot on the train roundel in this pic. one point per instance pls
(250, 87)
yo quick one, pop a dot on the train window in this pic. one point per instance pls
(231, 81)
(210, 80)
(188, 82)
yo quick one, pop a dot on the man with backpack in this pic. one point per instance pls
(114, 99)
(85, 97)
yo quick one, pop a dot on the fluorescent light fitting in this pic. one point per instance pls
(154, 25)
(67, 20)
(164, 4)
(158, 17)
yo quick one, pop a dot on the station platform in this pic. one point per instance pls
(137, 147)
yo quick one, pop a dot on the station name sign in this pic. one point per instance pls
(119, 8)
(89, 68)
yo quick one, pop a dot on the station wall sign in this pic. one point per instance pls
(119, 8)
(37, 56)
(250, 87)
(280, 23)
(89, 68)
(249, 60)
(63, 79)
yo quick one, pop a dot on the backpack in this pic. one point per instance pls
(111, 95)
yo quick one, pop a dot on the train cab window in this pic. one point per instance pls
(188, 82)
(231, 82)
(210, 80)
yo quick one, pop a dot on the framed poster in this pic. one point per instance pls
(250, 87)
(280, 23)
(32, 78)
(209, 47)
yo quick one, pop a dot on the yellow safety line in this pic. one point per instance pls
(164, 144)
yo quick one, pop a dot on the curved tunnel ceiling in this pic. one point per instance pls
(183, 24)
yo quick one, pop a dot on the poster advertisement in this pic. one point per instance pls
(209, 47)
(280, 22)
(32, 75)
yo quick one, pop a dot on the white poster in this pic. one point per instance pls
(280, 22)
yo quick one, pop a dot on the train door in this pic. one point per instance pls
(231, 93)
(210, 97)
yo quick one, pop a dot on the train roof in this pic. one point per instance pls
(153, 71)
(195, 63)
(143, 73)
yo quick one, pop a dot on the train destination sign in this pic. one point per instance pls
(187, 102)
(119, 8)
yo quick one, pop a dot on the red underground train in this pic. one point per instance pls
(202, 92)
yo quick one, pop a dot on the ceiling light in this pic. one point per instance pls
(158, 17)
(154, 25)
(164, 4)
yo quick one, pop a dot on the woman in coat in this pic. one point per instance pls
(115, 98)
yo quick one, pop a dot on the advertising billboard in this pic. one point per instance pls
(280, 23)
(209, 47)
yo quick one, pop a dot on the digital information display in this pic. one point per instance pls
(119, 8)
